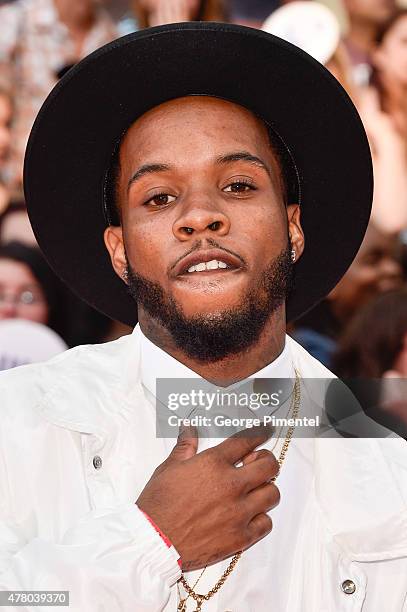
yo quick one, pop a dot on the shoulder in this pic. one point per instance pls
(87, 367)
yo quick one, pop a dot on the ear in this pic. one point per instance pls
(295, 230)
(113, 238)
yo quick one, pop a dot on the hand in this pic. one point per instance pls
(206, 506)
(380, 127)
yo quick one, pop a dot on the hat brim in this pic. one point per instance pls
(73, 137)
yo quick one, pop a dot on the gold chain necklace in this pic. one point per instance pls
(201, 598)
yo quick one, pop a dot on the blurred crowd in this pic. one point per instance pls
(360, 329)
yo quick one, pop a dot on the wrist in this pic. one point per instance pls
(162, 535)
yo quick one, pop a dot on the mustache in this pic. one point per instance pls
(198, 245)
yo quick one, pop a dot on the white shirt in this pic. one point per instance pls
(270, 561)
(77, 446)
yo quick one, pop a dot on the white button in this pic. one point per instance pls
(348, 587)
(97, 462)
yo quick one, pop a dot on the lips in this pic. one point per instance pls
(198, 257)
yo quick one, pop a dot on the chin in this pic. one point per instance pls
(208, 306)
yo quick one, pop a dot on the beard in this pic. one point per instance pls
(211, 337)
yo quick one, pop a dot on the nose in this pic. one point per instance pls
(200, 215)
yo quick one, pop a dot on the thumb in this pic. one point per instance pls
(187, 444)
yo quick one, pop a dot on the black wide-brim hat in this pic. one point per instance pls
(80, 123)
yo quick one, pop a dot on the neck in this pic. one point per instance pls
(233, 368)
(362, 35)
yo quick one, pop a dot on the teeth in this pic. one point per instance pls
(214, 264)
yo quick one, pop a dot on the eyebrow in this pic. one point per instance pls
(222, 159)
(146, 169)
(243, 156)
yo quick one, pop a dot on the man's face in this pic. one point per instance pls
(202, 208)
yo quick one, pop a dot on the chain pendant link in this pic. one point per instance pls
(198, 605)
(199, 599)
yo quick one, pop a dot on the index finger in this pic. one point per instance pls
(233, 449)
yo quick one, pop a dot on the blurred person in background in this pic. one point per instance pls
(82, 323)
(30, 290)
(157, 12)
(39, 39)
(389, 156)
(123, 16)
(15, 225)
(374, 346)
(389, 78)
(375, 270)
(383, 107)
(314, 28)
(366, 18)
(251, 13)
(5, 141)
(5, 126)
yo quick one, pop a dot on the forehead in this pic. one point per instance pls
(14, 272)
(194, 122)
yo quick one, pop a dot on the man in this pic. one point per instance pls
(39, 40)
(195, 177)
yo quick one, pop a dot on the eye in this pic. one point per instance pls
(240, 186)
(160, 199)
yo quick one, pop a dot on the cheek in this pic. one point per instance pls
(263, 230)
(394, 58)
(37, 313)
(147, 247)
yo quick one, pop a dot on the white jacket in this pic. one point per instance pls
(65, 525)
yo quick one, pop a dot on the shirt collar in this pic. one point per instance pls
(156, 363)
